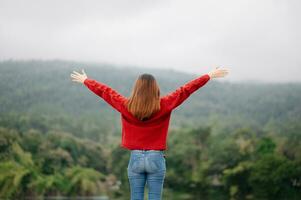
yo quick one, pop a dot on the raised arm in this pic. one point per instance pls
(102, 90)
(177, 97)
(110, 95)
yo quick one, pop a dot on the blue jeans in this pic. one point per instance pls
(146, 166)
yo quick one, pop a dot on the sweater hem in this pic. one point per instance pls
(132, 147)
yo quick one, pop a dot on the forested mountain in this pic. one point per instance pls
(45, 89)
(227, 141)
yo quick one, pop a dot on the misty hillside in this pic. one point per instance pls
(44, 89)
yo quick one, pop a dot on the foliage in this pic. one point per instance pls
(234, 141)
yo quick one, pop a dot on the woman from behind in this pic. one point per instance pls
(145, 120)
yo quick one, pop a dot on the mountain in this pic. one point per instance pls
(44, 90)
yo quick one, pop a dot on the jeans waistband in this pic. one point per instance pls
(140, 150)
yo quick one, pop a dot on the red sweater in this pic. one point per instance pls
(152, 133)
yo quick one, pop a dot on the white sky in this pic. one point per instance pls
(255, 39)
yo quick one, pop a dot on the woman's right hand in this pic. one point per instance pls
(217, 73)
(77, 77)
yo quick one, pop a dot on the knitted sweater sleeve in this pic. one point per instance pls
(178, 96)
(107, 93)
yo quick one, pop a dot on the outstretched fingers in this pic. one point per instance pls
(74, 75)
(76, 72)
(76, 80)
(78, 77)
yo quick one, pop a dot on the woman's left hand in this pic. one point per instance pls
(77, 77)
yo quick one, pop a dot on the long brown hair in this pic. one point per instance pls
(145, 97)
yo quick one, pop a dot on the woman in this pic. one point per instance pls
(145, 119)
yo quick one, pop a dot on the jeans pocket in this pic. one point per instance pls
(134, 163)
(156, 164)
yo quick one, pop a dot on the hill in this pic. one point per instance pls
(43, 89)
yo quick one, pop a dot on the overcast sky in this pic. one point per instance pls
(254, 39)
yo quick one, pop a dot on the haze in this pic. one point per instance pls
(256, 39)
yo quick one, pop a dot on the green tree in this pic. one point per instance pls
(275, 177)
(85, 181)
